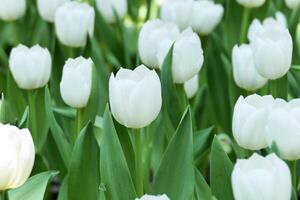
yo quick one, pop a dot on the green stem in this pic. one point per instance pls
(32, 113)
(3, 195)
(293, 168)
(148, 152)
(15, 33)
(245, 24)
(78, 124)
(138, 161)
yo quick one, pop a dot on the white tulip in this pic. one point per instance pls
(178, 12)
(251, 3)
(135, 96)
(205, 16)
(108, 9)
(244, 71)
(250, 119)
(47, 8)
(11, 10)
(76, 83)
(281, 18)
(283, 128)
(74, 22)
(258, 177)
(16, 156)
(272, 48)
(30, 67)
(191, 86)
(151, 197)
(153, 34)
(292, 4)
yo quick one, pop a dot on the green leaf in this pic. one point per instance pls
(63, 191)
(84, 174)
(24, 120)
(202, 140)
(220, 172)
(202, 190)
(115, 174)
(175, 176)
(34, 188)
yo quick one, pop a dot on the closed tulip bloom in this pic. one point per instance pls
(251, 3)
(135, 96)
(191, 86)
(30, 67)
(74, 22)
(11, 10)
(258, 177)
(281, 18)
(47, 8)
(151, 197)
(206, 15)
(178, 12)
(292, 4)
(250, 119)
(76, 83)
(16, 156)
(244, 71)
(272, 48)
(108, 9)
(152, 35)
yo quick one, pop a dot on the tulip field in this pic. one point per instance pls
(149, 99)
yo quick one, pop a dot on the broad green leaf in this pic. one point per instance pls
(202, 190)
(24, 120)
(34, 187)
(84, 174)
(220, 172)
(115, 174)
(63, 191)
(202, 140)
(175, 176)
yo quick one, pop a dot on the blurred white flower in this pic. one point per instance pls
(151, 197)
(244, 71)
(258, 177)
(251, 3)
(47, 8)
(74, 22)
(135, 96)
(191, 86)
(30, 67)
(76, 83)
(108, 9)
(281, 18)
(17, 155)
(292, 4)
(11, 10)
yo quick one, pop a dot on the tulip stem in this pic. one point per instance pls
(138, 161)
(293, 168)
(78, 124)
(245, 23)
(3, 195)
(32, 113)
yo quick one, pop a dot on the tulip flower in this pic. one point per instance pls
(11, 10)
(272, 47)
(281, 18)
(258, 177)
(74, 22)
(153, 34)
(191, 86)
(47, 8)
(251, 3)
(30, 67)
(283, 128)
(292, 4)
(108, 9)
(249, 121)
(151, 197)
(76, 83)
(135, 96)
(244, 71)
(16, 155)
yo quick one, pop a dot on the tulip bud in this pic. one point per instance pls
(244, 71)
(178, 12)
(108, 9)
(206, 15)
(191, 86)
(30, 67)
(135, 96)
(16, 155)
(249, 121)
(272, 47)
(292, 4)
(74, 22)
(225, 141)
(251, 3)
(152, 34)
(76, 82)
(47, 8)
(11, 10)
(150, 197)
(258, 177)
(283, 128)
